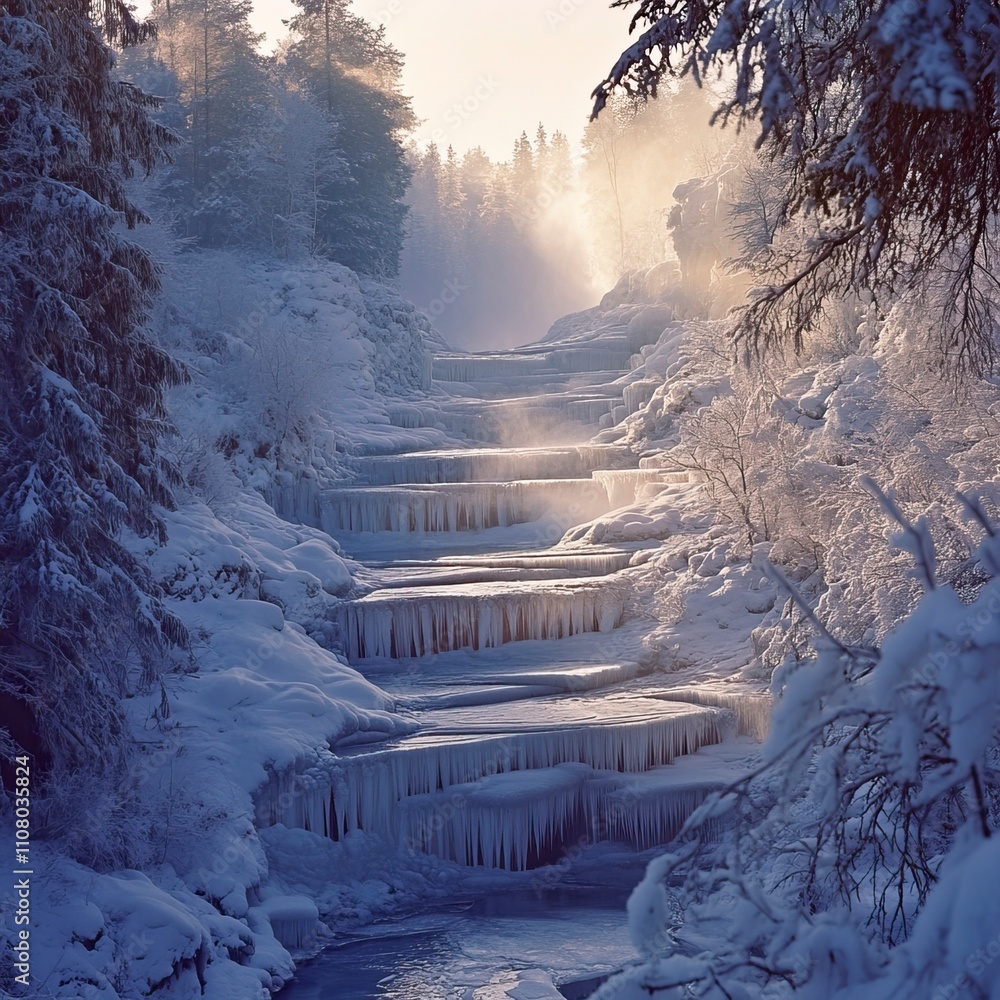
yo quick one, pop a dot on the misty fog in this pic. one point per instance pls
(496, 252)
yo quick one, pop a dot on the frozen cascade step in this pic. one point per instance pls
(539, 385)
(593, 561)
(519, 800)
(524, 819)
(460, 507)
(752, 709)
(591, 410)
(514, 821)
(441, 576)
(624, 486)
(300, 800)
(473, 367)
(490, 465)
(448, 768)
(422, 621)
(458, 690)
(551, 564)
(557, 361)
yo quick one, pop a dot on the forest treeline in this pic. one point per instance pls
(498, 250)
(297, 152)
(310, 150)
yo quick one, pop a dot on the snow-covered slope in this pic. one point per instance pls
(291, 370)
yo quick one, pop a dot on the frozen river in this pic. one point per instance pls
(538, 727)
(481, 950)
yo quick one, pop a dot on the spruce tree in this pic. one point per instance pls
(80, 408)
(354, 74)
(884, 116)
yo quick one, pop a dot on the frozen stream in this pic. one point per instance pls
(477, 951)
(519, 660)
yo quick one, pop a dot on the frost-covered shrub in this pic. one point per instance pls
(857, 866)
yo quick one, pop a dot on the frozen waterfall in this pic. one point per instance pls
(491, 465)
(459, 507)
(425, 620)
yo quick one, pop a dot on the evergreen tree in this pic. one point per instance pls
(228, 103)
(354, 74)
(80, 407)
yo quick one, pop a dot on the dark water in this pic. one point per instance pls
(573, 933)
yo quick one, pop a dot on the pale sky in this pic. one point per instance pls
(480, 71)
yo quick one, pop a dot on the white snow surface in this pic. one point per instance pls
(310, 355)
(281, 811)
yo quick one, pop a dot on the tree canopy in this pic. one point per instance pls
(81, 400)
(884, 115)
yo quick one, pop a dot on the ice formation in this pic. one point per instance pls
(428, 620)
(552, 563)
(296, 799)
(589, 410)
(477, 367)
(591, 359)
(558, 361)
(489, 465)
(294, 920)
(637, 394)
(513, 821)
(592, 561)
(752, 711)
(459, 507)
(440, 791)
(623, 486)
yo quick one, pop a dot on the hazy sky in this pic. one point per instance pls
(480, 71)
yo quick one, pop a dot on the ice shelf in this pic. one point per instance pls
(553, 563)
(422, 621)
(520, 796)
(528, 773)
(590, 410)
(752, 708)
(637, 394)
(489, 465)
(624, 486)
(514, 821)
(476, 367)
(293, 919)
(459, 507)
(296, 799)
(514, 366)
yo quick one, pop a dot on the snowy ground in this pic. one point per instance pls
(504, 652)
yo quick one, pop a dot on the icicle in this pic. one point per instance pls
(301, 800)
(591, 359)
(294, 920)
(477, 367)
(590, 410)
(580, 562)
(602, 357)
(637, 394)
(426, 620)
(752, 710)
(491, 465)
(462, 507)
(625, 486)
(297, 501)
(371, 784)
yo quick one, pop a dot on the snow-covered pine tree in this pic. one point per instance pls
(354, 75)
(219, 79)
(80, 410)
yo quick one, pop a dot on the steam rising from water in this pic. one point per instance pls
(497, 252)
